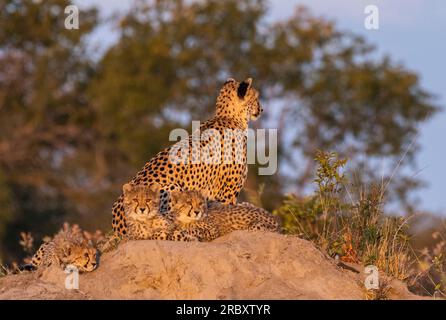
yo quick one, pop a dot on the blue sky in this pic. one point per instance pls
(411, 32)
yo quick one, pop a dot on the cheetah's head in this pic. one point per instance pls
(188, 206)
(141, 202)
(239, 99)
(83, 256)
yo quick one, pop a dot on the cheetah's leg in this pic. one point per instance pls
(265, 226)
(182, 235)
(259, 226)
(160, 235)
(173, 235)
(205, 231)
(109, 243)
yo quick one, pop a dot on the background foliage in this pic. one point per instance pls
(74, 129)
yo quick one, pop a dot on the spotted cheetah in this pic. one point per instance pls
(144, 221)
(190, 213)
(242, 216)
(208, 221)
(141, 210)
(68, 247)
(220, 180)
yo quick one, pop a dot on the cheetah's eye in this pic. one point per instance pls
(135, 200)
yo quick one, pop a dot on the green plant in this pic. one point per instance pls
(357, 230)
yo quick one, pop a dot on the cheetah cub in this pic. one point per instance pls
(236, 104)
(144, 221)
(242, 216)
(141, 209)
(190, 215)
(208, 221)
(68, 247)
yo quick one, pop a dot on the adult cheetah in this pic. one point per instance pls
(219, 169)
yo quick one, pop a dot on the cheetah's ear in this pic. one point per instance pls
(199, 195)
(127, 188)
(156, 188)
(175, 195)
(230, 80)
(244, 87)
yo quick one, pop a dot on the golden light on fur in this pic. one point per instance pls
(141, 201)
(189, 206)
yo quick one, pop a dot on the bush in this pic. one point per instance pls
(356, 230)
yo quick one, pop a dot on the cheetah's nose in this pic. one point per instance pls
(142, 209)
(197, 213)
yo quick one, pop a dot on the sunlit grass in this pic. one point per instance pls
(350, 224)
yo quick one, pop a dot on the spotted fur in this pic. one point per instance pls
(190, 214)
(144, 221)
(141, 211)
(208, 221)
(242, 216)
(237, 103)
(68, 247)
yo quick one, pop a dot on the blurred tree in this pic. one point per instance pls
(45, 118)
(324, 89)
(75, 130)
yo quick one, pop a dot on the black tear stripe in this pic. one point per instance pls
(242, 89)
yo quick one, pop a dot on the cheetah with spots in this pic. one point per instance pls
(237, 104)
(242, 216)
(190, 214)
(210, 221)
(68, 247)
(144, 221)
(141, 211)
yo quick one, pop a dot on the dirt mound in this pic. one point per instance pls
(241, 265)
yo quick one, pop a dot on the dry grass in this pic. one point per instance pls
(430, 272)
(3, 270)
(382, 293)
(352, 226)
